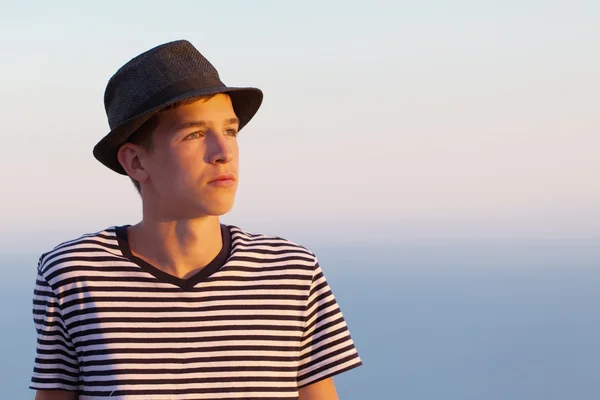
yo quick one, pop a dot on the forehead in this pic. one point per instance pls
(213, 109)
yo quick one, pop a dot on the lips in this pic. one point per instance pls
(223, 178)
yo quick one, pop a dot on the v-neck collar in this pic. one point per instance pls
(187, 283)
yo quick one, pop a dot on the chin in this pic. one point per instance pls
(216, 209)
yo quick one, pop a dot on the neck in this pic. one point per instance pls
(178, 247)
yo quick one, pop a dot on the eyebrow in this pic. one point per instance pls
(203, 124)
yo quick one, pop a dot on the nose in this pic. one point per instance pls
(219, 149)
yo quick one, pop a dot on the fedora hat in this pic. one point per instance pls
(159, 77)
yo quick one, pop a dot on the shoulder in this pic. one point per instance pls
(269, 244)
(87, 246)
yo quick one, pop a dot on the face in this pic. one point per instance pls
(192, 169)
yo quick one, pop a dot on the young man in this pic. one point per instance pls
(180, 306)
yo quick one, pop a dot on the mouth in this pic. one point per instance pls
(225, 179)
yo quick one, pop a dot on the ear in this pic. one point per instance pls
(129, 158)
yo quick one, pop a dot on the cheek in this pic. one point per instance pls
(167, 168)
(235, 150)
(186, 167)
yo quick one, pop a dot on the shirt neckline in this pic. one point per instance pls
(184, 283)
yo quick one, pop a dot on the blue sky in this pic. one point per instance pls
(415, 120)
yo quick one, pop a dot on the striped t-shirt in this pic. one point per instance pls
(258, 322)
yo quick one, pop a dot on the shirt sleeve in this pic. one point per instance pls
(56, 365)
(327, 348)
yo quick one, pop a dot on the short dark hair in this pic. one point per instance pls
(143, 135)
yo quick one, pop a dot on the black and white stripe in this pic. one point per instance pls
(259, 327)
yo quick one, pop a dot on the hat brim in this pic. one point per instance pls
(245, 100)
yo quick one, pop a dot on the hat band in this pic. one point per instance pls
(207, 82)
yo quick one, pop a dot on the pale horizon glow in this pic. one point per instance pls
(408, 120)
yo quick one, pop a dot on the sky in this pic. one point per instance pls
(383, 121)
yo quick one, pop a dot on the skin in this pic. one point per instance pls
(192, 144)
(180, 228)
(322, 390)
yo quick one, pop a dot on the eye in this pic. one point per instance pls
(231, 132)
(194, 135)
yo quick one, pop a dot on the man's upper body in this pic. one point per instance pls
(180, 306)
(258, 321)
